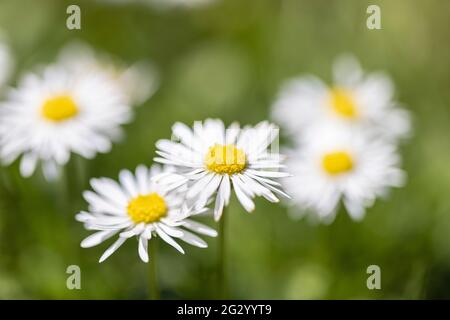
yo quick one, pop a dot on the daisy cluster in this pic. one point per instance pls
(346, 137)
(203, 165)
(78, 105)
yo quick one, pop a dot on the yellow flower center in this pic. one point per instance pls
(337, 162)
(225, 159)
(59, 108)
(149, 208)
(343, 103)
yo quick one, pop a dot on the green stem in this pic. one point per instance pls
(153, 286)
(222, 275)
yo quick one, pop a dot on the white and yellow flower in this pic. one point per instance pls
(55, 113)
(335, 164)
(362, 101)
(138, 207)
(216, 159)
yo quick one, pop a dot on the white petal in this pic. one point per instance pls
(101, 205)
(28, 164)
(218, 207)
(138, 229)
(173, 232)
(193, 239)
(50, 170)
(169, 240)
(199, 185)
(142, 179)
(208, 191)
(269, 174)
(355, 210)
(112, 249)
(97, 238)
(226, 189)
(199, 228)
(143, 248)
(127, 180)
(245, 200)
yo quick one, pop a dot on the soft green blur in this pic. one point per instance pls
(228, 60)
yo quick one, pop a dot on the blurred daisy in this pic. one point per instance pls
(137, 206)
(137, 83)
(361, 101)
(53, 114)
(6, 63)
(338, 165)
(215, 159)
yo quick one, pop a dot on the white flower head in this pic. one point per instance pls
(138, 207)
(216, 159)
(339, 165)
(359, 100)
(137, 82)
(55, 113)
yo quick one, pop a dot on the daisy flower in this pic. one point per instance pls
(138, 207)
(55, 113)
(336, 164)
(216, 159)
(362, 101)
(137, 82)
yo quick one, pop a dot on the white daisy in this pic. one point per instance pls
(216, 159)
(341, 165)
(137, 82)
(137, 206)
(362, 101)
(57, 112)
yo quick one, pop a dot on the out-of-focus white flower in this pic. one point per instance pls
(56, 112)
(6, 63)
(216, 159)
(137, 83)
(336, 164)
(137, 206)
(358, 100)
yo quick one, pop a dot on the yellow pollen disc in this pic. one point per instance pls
(225, 159)
(149, 208)
(59, 108)
(337, 162)
(343, 104)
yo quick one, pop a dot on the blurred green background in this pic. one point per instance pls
(228, 60)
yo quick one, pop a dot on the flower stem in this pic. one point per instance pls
(222, 275)
(153, 286)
